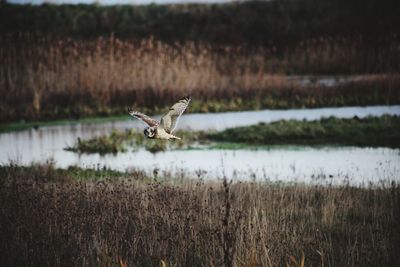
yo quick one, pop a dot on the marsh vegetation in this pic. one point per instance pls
(71, 61)
(49, 78)
(83, 61)
(381, 131)
(100, 217)
(371, 131)
(74, 62)
(44, 79)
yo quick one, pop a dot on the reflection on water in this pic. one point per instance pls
(323, 80)
(301, 164)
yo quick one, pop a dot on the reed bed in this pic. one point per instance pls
(49, 218)
(51, 78)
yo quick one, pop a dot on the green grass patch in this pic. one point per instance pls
(117, 141)
(371, 131)
(49, 173)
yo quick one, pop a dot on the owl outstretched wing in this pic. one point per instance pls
(138, 115)
(170, 120)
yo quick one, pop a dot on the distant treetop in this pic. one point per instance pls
(253, 22)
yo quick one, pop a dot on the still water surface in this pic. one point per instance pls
(302, 164)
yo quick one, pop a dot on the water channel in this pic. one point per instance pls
(278, 163)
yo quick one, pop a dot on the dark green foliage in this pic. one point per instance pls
(275, 22)
(371, 131)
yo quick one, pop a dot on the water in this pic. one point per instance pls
(322, 80)
(223, 120)
(302, 164)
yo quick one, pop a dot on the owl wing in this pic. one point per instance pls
(170, 120)
(138, 115)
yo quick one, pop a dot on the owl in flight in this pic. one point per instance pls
(163, 129)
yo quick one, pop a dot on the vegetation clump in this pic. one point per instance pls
(120, 141)
(116, 142)
(370, 131)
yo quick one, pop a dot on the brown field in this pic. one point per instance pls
(49, 218)
(52, 78)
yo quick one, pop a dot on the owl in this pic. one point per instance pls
(163, 129)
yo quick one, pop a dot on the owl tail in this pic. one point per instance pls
(175, 137)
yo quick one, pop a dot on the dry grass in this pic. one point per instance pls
(50, 219)
(48, 78)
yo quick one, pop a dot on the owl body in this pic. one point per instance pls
(160, 133)
(163, 129)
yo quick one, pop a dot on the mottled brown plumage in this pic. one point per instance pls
(168, 123)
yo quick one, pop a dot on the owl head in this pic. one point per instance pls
(150, 132)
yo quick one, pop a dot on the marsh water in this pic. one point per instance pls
(278, 163)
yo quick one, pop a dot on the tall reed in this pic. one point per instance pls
(50, 219)
(45, 77)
